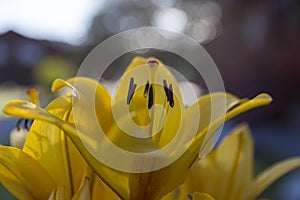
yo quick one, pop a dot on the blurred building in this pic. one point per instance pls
(20, 55)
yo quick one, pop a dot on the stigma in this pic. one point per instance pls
(152, 63)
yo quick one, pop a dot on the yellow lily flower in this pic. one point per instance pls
(144, 104)
(49, 166)
(227, 173)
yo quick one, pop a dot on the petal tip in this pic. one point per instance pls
(264, 96)
(57, 84)
(33, 96)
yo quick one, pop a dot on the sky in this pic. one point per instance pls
(60, 20)
(69, 20)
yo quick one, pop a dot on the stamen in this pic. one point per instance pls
(190, 196)
(19, 124)
(146, 89)
(166, 90)
(169, 93)
(26, 124)
(171, 96)
(152, 63)
(131, 90)
(150, 98)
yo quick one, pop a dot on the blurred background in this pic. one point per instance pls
(255, 44)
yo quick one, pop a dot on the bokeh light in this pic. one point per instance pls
(171, 18)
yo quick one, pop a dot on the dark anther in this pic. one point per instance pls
(146, 89)
(190, 196)
(150, 99)
(166, 89)
(27, 124)
(169, 93)
(19, 124)
(131, 90)
(171, 96)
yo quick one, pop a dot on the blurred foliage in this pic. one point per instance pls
(51, 68)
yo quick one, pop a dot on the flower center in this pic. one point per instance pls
(149, 92)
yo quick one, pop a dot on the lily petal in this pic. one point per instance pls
(235, 155)
(22, 175)
(54, 151)
(57, 194)
(245, 105)
(115, 179)
(202, 196)
(101, 119)
(207, 110)
(90, 96)
(33, 95)
(232, 161)
(49, 146)
(203, 139)
(271, 174)
(86, 89)
(191, 155)
(83, 192)
(100, 190)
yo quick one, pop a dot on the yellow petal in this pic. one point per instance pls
(226, 101)
(54, 151)
(86, 90)
(78, 166)
(260, 100)
(115, 179)
(33, 95)
(49, 146)
(234, 158)
(135, 62)
(83, 192)
(204, 105)
(58, 194)
(191, 154)
(101, 191)
(245, 105)
(228, 169)
(23, 176)
(271, 174)
(92, 98)
(202, 196)
(175, 195)
(158, 183)
(208, 109)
